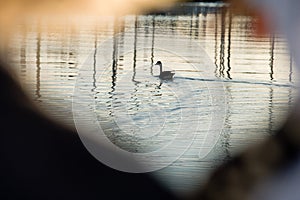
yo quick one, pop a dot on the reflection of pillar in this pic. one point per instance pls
(152, 45)
(197, 26)
(216, 43)
(229, 45)
(134, 49)
(222, 45)
(173, 24)
(38, 64)
(270, 128)
(191, 25)
(115, 54)
(134, 96)
(290, 80)
(272, 56)
(290, 96)
(291, 68)
(227, 125)
(23, 53)
(121, 24)
(95, 59)
(204, 22)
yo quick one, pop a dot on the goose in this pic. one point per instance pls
(164, 75)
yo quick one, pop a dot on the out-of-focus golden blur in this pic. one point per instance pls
(15, 10)
(68, 12)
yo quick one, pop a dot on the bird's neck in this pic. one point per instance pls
(160, 67)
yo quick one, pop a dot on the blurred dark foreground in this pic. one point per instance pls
(43, 160)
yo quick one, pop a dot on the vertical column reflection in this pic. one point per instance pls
(23, 53)
(134, 48)
(197, 26)
(229, 45)
(204, 23)
(191, 25)
(38, 63)
(152, 44)
(114, 55)
(272, 43)
(291, 69)
(216, 43)
(270, 126)
(290, 96)
(95, 59)
(222, 45)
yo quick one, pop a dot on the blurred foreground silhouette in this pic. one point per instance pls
(43, 160)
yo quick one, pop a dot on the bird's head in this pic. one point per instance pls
(158, 63)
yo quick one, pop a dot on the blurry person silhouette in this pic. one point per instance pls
(41, 159)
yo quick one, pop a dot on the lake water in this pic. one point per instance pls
(230, 89)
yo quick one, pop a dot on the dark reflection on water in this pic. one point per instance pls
(257, 74)
(38, 66)
(222, 45)
(272, 56)
(229, 44)
(95, 60)
(115, 57)
(152, 44)
(134, 51)
(291, 69)
(23, 54)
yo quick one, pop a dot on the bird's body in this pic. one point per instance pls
(165, 75)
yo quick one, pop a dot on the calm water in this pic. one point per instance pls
(230, 90)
